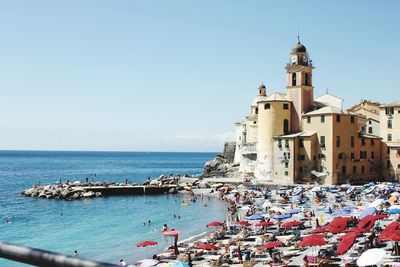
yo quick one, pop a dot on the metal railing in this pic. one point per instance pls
(44, 258)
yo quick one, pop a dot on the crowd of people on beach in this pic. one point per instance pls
(296, 226)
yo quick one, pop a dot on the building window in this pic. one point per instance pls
(279, 143)
(337, 141)
(267, 106)
(322, 141)
(352, 141)
(352, 119)
(285, 106)
(321, 169)
(389, 111)
(337, 118)
(362, 169)
(372, 155)
(286, 143)
(354, 169)
(301, 169)
(363, 142)
(286, 164)
(388, 164)
(389, 124)
(256, 110)
(254, 122)
(372, 142)
(301, 143)
(352, 156)
(398, 166)
(302, 157)
(370, 130)
(388, 150)
(286, 173)
(308, 119)
(398, 152)
(294, 79)
(389, 137)
(340, 156)
(322, 118)
(306, 78)
(286, 126)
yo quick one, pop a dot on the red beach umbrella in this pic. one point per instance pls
(345, 244)
(388, 231)
(242, 223)
(208, 247)
(214, 224)
(312, 242)
(146, 243)
(171, 233)
(338, 225)
(316, 236)
(270, 245)
(291, 224)
(265, 223)
(395, 236)
(349, 235)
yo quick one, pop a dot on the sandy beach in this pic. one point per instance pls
(273, 225)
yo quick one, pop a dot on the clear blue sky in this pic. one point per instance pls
(176, 75)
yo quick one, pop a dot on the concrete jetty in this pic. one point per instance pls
(131, 190)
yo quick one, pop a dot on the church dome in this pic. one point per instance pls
(299, 47)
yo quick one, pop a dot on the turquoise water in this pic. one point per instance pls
(106, 228)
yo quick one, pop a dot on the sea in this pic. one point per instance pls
(106, 228)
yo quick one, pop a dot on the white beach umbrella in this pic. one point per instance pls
(376, 203)
(394, 207)
(371, 257)
(278, 209)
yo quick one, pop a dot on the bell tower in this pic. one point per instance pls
(299, 83)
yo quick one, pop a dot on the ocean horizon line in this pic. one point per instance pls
(107, 151)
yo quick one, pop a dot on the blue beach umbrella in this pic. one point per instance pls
(294, 211)
(255, 217)
(281, 217)
(365, 213)
(394, 211)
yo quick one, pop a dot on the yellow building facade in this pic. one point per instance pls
(293, 137)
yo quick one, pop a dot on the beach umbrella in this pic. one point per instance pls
(345, 244)
(394, 211)
(312, 242)
(208, 247)
(376, 203)
(147, 263)
(277, 210)
(242, 223)
(350, 190)
(314, 236)
(255, 217)
(171, 233)
(214, 224)
(349, 235)
(270, 245)
(366, 223)
(388, 231)
(371, 257)
(177, 264)
(291, 224)
(368, 211)
(281, 217)
(294, 211)
(264, 223)
(146, 243)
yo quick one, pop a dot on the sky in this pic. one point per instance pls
(176, 75)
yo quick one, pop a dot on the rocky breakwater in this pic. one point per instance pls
(61, 191)
(220, 167)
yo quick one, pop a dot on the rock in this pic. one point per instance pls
(204, 185)
(88, 194)
(99, 194)
(219, 167)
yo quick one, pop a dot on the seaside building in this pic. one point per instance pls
(390, 132)
(293, 137)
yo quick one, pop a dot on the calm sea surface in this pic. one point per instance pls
(106, 228)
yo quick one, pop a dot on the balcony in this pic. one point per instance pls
(249, 148)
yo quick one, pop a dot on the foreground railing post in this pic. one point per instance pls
(44, 258)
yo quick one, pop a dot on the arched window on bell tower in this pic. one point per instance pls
(294, 79)
(306, 79)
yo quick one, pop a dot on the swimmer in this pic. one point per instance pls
(75, 253)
